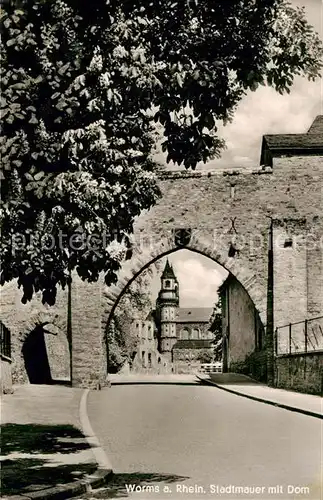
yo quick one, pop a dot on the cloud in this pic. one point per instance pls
(198, 284)
(267, 112)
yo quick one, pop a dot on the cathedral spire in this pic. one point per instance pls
(168, 271)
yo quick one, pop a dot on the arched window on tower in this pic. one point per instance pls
(167, 284)
(184, 334)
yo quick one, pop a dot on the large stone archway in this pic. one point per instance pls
(244, 219)
(208, 248)
(253, 221)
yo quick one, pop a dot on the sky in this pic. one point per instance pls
(199, 278)
(261, 112)
(267, 112)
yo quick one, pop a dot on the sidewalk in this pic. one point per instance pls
(44, 453)
(242, 385)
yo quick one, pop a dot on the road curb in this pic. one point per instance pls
(98, 452)
(78, 487)
(262, 400)
(68, 490)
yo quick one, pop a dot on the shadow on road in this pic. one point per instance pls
(233, 379)
(120, 485)
(28, 457)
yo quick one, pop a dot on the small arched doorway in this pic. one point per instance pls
(35, 357)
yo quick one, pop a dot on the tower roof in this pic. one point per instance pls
(168, 271)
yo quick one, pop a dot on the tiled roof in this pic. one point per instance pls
(193, 344)
(194, 314)
(294, 141)
(310, 143)
(317, 126)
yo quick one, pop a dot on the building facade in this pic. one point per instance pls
(183, 333)
(146, 356)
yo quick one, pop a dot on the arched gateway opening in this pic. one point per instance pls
(36, 358)
(45, 357)
(143, 260)
(180, 340)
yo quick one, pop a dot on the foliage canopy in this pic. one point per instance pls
(83, 87)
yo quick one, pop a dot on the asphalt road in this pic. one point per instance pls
(166, 438)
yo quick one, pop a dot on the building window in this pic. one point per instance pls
(195, 333)
(167, 284)
(184, 334)
(149, 359)
(288, 243)
(5, 341)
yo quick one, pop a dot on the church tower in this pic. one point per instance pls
(167, 305)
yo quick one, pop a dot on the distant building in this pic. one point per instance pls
(173, 337)
(183, 333)
(147, 355)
